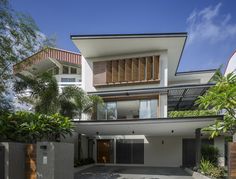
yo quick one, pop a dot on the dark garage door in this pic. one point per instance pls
(130, 151)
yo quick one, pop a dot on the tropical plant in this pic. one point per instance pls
(46, 99)
(207, 168)
(30, 128)
(43, 92)
(19, 38)
(74, 102)
(210, 153)
(221, 98)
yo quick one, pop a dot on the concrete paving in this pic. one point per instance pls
(124, 172)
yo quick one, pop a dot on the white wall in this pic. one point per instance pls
(219, 142)
(168, 154)
(87, 72)
(231, 64)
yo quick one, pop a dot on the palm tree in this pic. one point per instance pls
(46, 99)
(75, 102)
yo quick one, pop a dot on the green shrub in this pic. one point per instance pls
(190, 113)
(210, 153)
(30, 128)
(209, 169)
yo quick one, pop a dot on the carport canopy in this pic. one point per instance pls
(149, 127)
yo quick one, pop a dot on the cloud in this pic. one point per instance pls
(209, 25)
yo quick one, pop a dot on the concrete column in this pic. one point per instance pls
(114, 150)
(219, 142)
(163, 105)
(198, 146)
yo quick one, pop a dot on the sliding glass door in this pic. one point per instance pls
(131, 109)
(148, 108)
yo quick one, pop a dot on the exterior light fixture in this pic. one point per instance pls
(132, 132)
(172, 131)
(97, 133)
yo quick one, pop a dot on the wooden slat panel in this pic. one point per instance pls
(128, 69)
(121, 70)
(232, 160)
(114, 71)
(142, 66)
(99, 73)
(108, 71)
(135, 69)
(149, 68)
(156, 67)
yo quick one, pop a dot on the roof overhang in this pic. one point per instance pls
(95, 46)
(149, 127)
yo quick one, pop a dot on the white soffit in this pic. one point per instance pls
(157, 127)
(120, 45)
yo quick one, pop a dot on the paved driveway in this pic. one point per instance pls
(123, 172)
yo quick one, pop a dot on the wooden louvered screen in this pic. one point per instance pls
(135, 69)
(121, 70)
(232, 160)
(126, 71)
(142, 69)
(99, 73)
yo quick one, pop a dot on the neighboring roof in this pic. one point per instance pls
(49, 52)
(180, 97)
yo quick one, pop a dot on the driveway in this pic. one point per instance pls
(124, 172)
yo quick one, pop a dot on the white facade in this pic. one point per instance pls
(162, 139)
(231, 66)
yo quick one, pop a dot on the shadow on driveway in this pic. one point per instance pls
(124, 172)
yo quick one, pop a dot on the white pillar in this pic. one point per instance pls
(163, 106)
(219, 142)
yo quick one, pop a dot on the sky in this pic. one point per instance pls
(210, 24)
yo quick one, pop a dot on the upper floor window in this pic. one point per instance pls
(73, 70)
(132, 109)
(65, 70)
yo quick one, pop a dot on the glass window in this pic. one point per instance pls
(107, 111)
(148, 108)
(128, 109)
(65, 70)
(73, 70)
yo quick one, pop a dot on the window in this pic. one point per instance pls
(73, 70)
(131, 109)
(65, 70)
(67, 79)
(108, 111)
(148, 108)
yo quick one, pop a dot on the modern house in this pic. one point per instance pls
(137, 77)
